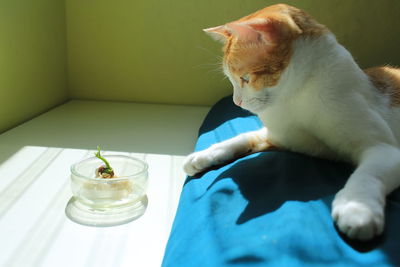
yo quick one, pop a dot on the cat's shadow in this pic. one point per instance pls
(270, 179)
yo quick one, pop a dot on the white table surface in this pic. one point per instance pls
(34, 186)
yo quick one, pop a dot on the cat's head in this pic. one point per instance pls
(258, 49)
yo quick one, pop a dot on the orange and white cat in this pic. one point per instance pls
(313, 98)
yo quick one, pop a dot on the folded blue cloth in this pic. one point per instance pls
(269, 209)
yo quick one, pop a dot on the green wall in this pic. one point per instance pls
(150, 51)
(32, 59)
(155, 51)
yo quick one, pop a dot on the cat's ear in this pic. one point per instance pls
(268, 31)
(258, 30)
(219, 33)
(244, 31)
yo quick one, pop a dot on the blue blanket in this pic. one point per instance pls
(269, 209)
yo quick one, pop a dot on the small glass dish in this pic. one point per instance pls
(108, 201)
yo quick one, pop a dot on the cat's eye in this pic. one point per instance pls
(245, 78)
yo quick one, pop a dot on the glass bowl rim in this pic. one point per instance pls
(145, 167)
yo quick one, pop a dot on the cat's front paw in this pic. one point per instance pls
(202, 160)
(356, 217)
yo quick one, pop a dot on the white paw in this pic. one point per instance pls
(356, 218)
(202, 160)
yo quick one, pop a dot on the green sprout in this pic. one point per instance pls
(108, 168)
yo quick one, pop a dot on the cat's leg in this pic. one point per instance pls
(358, 208)
(238, 146)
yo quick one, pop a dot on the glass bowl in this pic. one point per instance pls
(108, 201)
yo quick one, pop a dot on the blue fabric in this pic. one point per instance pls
(269, 209)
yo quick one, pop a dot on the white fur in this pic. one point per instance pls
(325, 105)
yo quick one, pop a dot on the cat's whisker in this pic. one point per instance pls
(206, 65)
(209, 52)
(214, 66)
(224, 77)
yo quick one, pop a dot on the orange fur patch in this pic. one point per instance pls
(258, 142)
(387, 81)
(264, 62)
